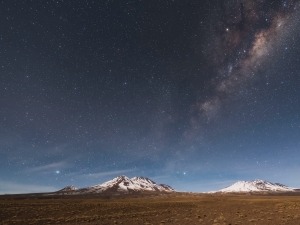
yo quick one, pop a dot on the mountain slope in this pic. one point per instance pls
(123, 184)
(70, 188)
(256, 186)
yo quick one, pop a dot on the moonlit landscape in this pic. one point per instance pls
(193, 94)
(165, 96)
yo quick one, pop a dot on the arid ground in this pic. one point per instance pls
(151, 209)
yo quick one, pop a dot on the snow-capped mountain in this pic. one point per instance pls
(256, 186)
(70, 188)
(124, 184)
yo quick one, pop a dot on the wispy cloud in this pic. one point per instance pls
(9, 187)
(48, 167)
(107, 173)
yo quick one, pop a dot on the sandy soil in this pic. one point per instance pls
(175, 209)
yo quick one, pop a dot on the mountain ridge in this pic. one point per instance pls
(256, 186)
(121, 184)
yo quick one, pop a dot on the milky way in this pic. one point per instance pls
(246, 44)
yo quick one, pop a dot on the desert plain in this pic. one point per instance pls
(146, 209)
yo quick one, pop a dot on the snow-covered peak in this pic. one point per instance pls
(256, 186)
(142, 180)
(68, 189)
(118, 179)
(125, 184)
(146, 183)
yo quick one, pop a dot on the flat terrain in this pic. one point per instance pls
(151, 209)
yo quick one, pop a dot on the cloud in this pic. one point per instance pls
(48, 167)
(107, 173)
(9, 187)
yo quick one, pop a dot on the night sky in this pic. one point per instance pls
(194, 94)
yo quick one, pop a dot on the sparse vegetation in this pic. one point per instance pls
(177, 208)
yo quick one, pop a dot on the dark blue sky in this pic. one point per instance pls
(195, 94)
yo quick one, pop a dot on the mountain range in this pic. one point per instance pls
(121, 184)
